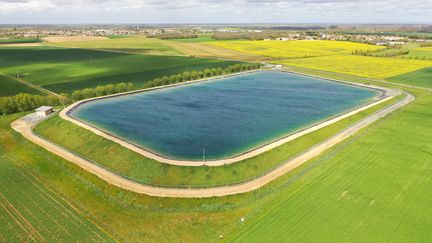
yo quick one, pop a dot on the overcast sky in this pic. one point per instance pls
(214, 11)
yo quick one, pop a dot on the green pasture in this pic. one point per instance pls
(31, 210)
(422, 77)
(128, 44)
(68, 69)
(19, 40)
(201, 38)
(419, 54)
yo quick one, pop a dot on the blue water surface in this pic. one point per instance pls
(222, 118)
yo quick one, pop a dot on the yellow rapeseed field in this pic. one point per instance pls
(372, 67)
(294, 49)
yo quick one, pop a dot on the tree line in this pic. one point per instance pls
(101, 91)
(254, 35)
(389, 52)
(174, 36)
(28, 102)
(194, 75)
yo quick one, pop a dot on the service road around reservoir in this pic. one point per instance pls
(24, 126)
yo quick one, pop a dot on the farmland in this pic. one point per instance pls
(364, 66)
(422, 77)
(32, 211)
(140, 45)
(373, 187)
(397, 191)
(19, 40)
(295, 49)
(68, 69)
(420, 53)
(10, 86)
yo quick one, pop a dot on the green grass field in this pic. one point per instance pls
(420, 54)
(130, 44)
(142, 169)
(68, 69)
(201, 38)
(30, 210)
(9, 86)
(19, 40)
(422, 77)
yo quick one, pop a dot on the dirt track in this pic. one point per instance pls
(24, 126)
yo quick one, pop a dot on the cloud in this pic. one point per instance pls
(141, 11)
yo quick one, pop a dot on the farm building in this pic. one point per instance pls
(44, 111)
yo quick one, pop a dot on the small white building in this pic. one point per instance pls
(44, 111)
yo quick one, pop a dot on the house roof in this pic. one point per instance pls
(44, 108)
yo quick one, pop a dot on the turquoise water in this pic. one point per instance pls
(222, 118)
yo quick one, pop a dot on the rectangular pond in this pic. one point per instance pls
(222, 118)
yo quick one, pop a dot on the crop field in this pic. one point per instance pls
(201, 38)
(373, 187)
(295, 49)
(126, 216)
(19, 40)
(31, 211)
(68, 69)
(140, 45)
(422, 77)
(205, 49)
(420, 53)
(9, 86)
(364, 66)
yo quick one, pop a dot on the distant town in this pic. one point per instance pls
(371, 34)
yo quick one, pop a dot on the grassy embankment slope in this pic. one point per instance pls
(69, 69)
(134, 166)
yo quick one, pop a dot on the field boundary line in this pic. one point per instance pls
(386, 95)
(31, 85)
